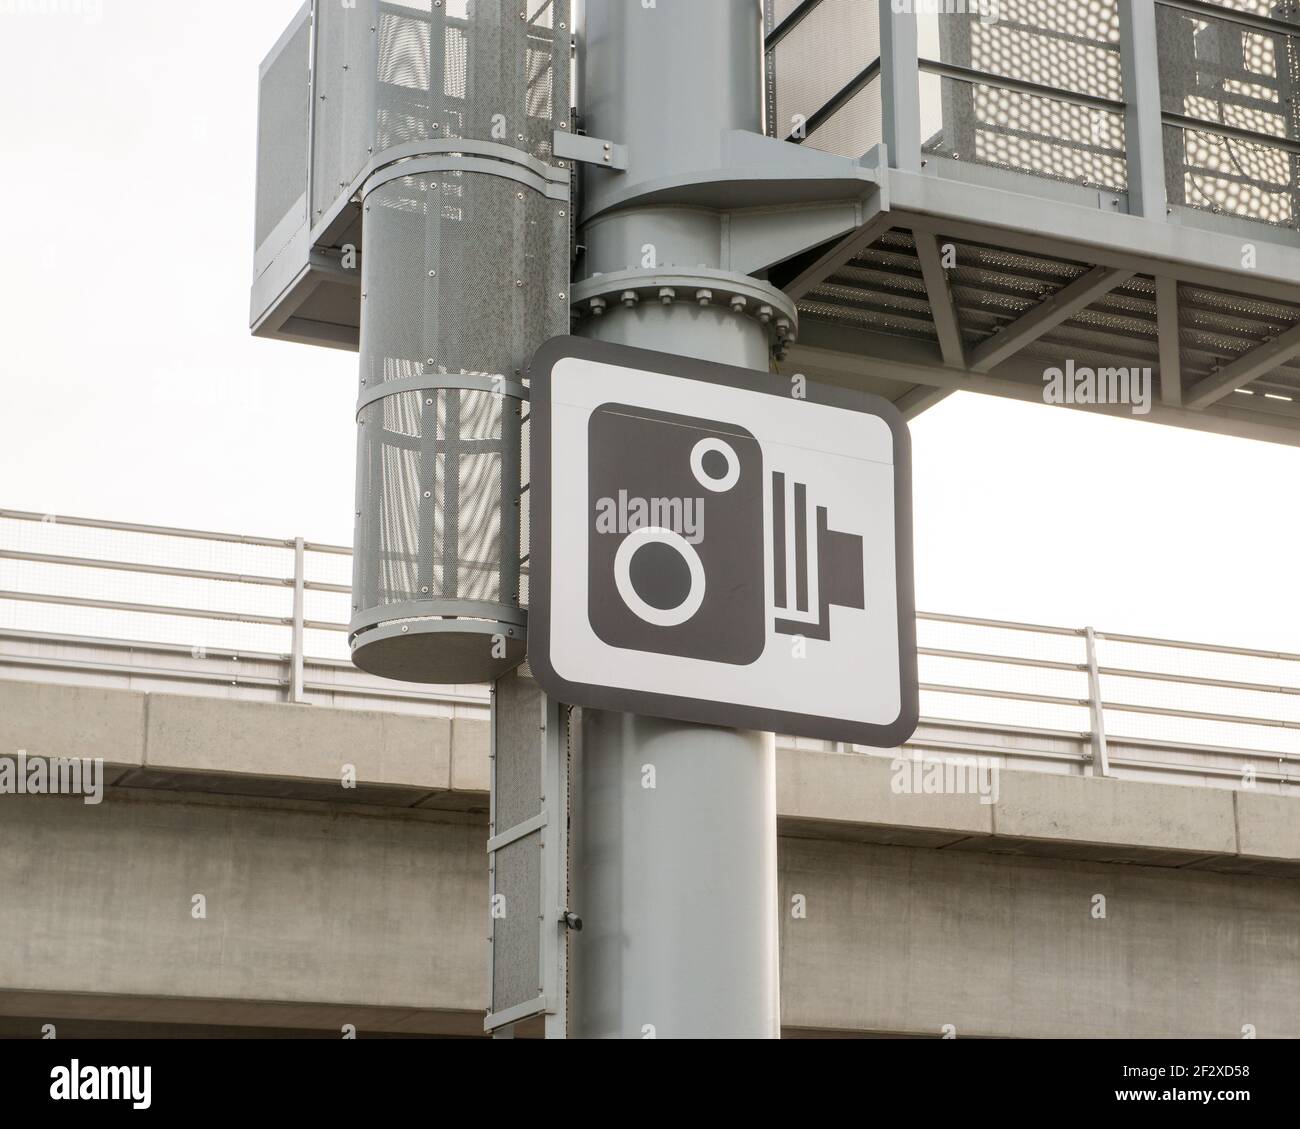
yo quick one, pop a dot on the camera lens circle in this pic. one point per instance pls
(641, 608)
(706, 456)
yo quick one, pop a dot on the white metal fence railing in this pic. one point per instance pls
(284, 603)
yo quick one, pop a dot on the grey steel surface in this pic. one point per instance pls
(676, 883)
(1019, 117)
(1158, 137)
(675, 878)
(284, 101)
(528, 856)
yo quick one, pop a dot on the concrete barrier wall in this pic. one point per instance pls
(317, 918)
(908, 940)
(328, 906)
(303, 905)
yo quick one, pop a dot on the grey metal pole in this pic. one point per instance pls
(673, 825)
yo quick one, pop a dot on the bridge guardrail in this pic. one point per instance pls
(198, 609)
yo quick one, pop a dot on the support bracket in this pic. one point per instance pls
(590, 150)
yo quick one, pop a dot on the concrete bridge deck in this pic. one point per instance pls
(902, 913)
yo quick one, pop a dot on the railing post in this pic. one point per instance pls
(1100, 757)
(1143, 127)
(900, 87)
(295, 654)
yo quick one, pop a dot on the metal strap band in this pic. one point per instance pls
(478, 610)
(465, 381)
(485, 166)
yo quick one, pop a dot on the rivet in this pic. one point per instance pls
(405, 629)
(433, 274)
(519, 282)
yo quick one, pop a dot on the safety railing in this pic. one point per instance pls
(266, 617)
(1190, 105)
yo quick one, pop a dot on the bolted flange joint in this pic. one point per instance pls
(742, 295)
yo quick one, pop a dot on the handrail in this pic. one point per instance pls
(1070, 682)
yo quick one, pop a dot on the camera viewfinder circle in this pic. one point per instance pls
(703, 449)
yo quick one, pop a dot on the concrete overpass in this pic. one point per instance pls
(1161, 777)
(327, 907)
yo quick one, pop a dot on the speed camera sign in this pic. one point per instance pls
(720, 545)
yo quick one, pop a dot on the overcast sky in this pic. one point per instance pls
(132, 390)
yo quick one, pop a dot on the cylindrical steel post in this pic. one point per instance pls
(673, 825)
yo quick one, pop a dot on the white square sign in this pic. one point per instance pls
(720, 545)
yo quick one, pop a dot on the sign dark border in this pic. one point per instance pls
(725, 714)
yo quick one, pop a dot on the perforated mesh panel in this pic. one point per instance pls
(432, 499)
(1246, 79)
(399, 72)
(1072, 46)
(827, 49)
(482, 236)
(344, 95)
(465, 275)
(284, 96)
(1011, 129)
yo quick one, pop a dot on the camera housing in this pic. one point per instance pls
(676, 561)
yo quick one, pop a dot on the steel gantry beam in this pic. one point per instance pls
(1046, 316)
(1243, 370)
(942, 305)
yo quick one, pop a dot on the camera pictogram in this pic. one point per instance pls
(682, 561)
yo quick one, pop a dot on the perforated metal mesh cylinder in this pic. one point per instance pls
(392, 73)
(465, 275)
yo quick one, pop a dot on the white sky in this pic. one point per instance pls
(133, 391)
